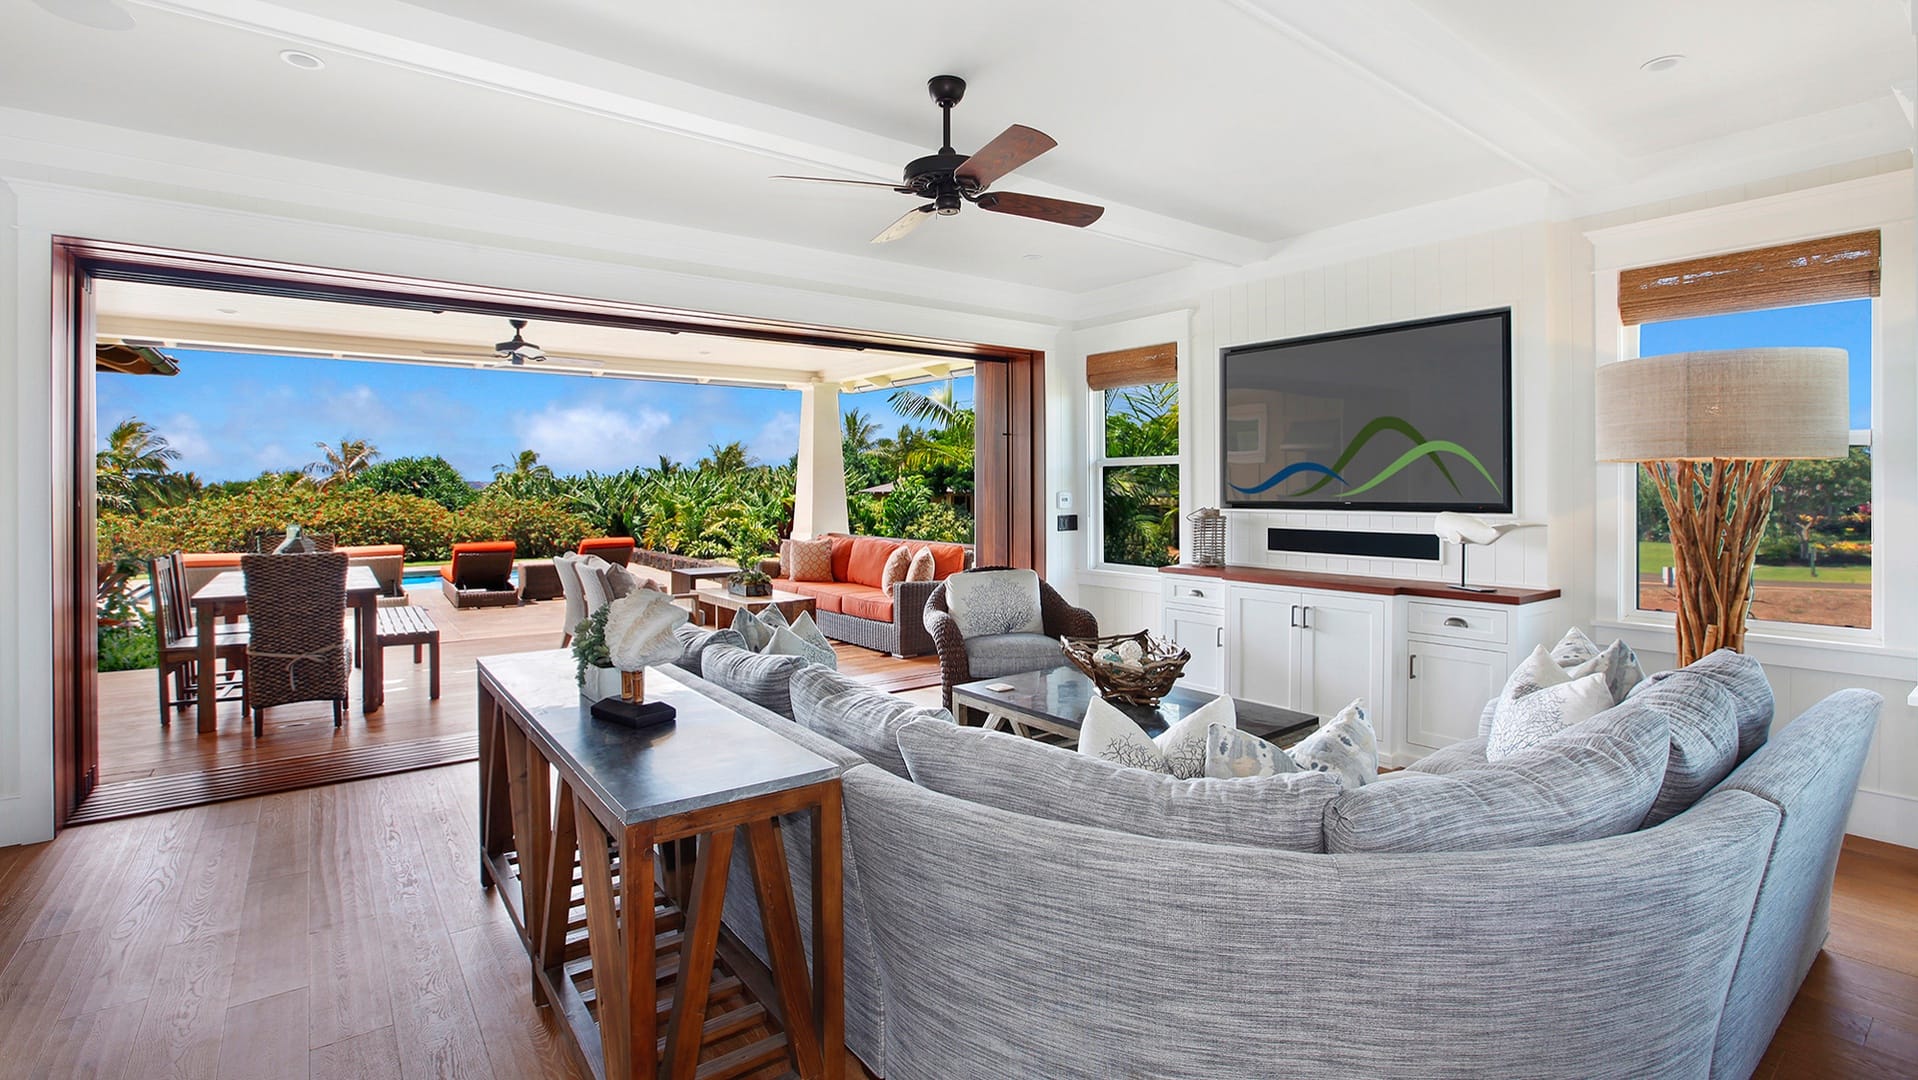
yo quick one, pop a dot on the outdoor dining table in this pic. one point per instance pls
(225, 595)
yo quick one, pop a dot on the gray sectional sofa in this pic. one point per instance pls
(983, 941)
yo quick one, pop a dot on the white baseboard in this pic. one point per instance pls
(1881, 815)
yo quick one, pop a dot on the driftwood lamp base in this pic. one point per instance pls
(1717, 511)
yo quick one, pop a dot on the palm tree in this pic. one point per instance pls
(729, 458)
(951, 439)
(859, 433)
(340, 464)
(525, 463)
(134, 467)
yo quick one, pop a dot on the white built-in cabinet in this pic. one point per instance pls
(1424, 667)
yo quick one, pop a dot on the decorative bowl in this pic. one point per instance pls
(1138, 669)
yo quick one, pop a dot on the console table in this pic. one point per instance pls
(647, 820)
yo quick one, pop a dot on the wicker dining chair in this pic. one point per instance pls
(1060, 619)
(296, 607)
(269, 541)
(179, 645)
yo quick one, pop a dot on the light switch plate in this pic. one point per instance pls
(1063, 499)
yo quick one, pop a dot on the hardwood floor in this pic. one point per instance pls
(146, 767)
(341, 931)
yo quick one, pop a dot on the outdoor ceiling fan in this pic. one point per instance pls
(951, 179)
(516, 351)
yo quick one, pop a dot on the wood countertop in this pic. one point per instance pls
(1375, 586)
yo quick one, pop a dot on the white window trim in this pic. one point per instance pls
(1099, 463)
(1883, 202)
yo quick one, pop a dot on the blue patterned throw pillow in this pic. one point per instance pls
(1344, 746)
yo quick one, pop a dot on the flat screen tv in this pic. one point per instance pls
(1415, 416)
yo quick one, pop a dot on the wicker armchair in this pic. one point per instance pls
(296, 608)
(1060, 618)
(269, 541)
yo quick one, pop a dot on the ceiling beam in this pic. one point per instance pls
(482, 56)
(1400, 46)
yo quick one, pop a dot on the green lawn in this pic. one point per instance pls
(1654, 555)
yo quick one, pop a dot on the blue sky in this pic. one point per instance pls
(1845, 324)
(234, 415)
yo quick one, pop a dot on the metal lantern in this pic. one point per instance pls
(1208, 536)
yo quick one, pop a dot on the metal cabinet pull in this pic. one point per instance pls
(1456, 623)
(1305, 617)
(1196, 592)
(1295, 616)
(1221, 637)
(1412, 669)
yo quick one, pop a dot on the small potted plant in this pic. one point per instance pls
(749, 579)
(592, 659)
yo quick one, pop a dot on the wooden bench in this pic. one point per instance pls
(412, 626)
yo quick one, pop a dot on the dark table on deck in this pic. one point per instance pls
(621, 794)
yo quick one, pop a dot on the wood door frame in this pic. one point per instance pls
(78, 261)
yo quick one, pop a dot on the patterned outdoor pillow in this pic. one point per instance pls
(621, 582)
(1231, 754)
(786, 643)
(921, 567)
(1573, 649)
(1344, 746)
(786, 559)
(809, 631)
(1178, 750)
(1539, 701)
(988, 602)
(811, 560)
(898, 564)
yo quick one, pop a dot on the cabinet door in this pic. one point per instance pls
(1446, 688)
(1342, 656)
(1203, 635)
(1260, 645)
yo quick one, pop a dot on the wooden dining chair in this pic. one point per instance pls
(179, 645)
(296, 650)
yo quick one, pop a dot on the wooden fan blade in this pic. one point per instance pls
(913, 218)
(1014, 147)
(847, 183)
(1076, 214)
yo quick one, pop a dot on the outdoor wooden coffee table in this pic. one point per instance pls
(1052, 704)
(687, 578)
(711, 602)
(620, 794)
(225, 595)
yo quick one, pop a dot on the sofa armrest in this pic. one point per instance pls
(954, 667)
(770, 567)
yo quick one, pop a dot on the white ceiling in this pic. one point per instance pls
(173, 316)
(1215, 131)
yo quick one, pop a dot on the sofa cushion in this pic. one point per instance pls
(1580, 656)
(1538, 701)
(986, 602)
(1231, 754)
(1457, 757)
(841, 555)
(1704, 722)
(1009, 654)
(829, 595)
(868, 563)
(693, 643)
(1745, 678)
(811, 560)
(858, 717)
(898, 563)
(947, 560)
(764, 680)
(1345, 746)
(783, 642)
(1592, 780)
(566, 566)
(1014, 773)
(920, 568)
(874, 605)
(594, 588)
(1179, 750)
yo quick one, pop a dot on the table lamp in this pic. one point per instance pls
(1715, 431)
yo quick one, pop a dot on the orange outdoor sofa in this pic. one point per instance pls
(854, 609)
(481, 575)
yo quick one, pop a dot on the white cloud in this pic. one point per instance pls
(574, 438)
(777, 440)
(198, 453)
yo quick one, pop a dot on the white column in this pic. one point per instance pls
(819, 503)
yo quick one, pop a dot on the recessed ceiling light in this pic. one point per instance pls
(305, 61)
(1032, 255)
(228, 310)
(99, 14)
(1663, 63)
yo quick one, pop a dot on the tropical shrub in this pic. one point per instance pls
(129, 645)
(224, 522)
(427, 477)
(542, 529)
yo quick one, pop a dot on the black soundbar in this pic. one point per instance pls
(1366, 545)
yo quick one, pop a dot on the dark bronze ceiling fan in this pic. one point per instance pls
(951, 179)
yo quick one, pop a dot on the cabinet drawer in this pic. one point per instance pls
(1197, 592)
(1456, 622)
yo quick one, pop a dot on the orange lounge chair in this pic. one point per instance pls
(614, 549)
(480, 575)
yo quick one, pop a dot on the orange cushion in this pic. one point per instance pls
(841, 556)
(829, 595)
(868, 563)
(617, 549)
(947, 560)
(450, 571)
(209, 558)
(373, 551)
(874, 606)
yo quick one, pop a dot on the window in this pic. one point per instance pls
(1137, 468)
(1814, 563)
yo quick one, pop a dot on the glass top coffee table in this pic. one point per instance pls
(1050, 705)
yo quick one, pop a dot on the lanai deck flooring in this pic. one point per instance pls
(340, 931)
(144, 767)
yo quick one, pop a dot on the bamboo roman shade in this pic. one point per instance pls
(1133, 367)
(1807, 272)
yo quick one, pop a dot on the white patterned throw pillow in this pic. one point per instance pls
(1344, 746)
(1540, 700)
(1179, 750)
(1231, 754)
(988, 602)
(1580, 656)
(786, 643)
